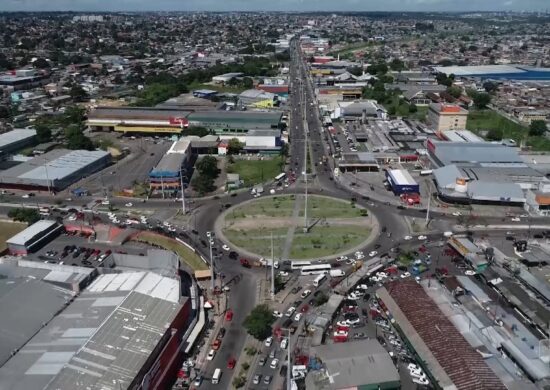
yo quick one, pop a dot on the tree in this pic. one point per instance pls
(78, 93)
(397, 65)
(41, 63)
(43, 133)
(203, 184)
(235, 146)
(481, 100)
(494, 135)
(258, 322)
(490, 87)
(208, 166)
(537, 128)
(321, 299)
(413, 108)
(4, 112)
(454, 91)
(197, 130)
(247, 82)
(79, 141)
(22, 214)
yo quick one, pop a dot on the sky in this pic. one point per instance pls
(278, 5)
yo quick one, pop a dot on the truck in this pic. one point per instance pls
(245, 263)
(336, 273)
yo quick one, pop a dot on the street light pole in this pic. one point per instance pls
(211, 260)
(272, 271)
(182, 193)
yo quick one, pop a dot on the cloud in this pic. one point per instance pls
(280, 5)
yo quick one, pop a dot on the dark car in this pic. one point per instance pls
(233, 255)
(283, 371)
(384, 229)
(221, 333)
(296, 290)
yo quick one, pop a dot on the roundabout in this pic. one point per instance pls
(331, 227)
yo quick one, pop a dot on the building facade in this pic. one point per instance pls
(447, 117)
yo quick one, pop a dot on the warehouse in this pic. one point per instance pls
(473, 154)
(358, 162)
(33, 237)
(14, 140)
(429, 333)
(401, 182)
(55, 170)
(366, 364)
(222, 122)
(165, 176)
(123, 330)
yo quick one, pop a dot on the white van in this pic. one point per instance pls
(216, 376)
(447, 234)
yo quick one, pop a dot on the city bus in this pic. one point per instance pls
(280, 177)
(316, 269)
(216, 376)
(319, 279)
(300, 264)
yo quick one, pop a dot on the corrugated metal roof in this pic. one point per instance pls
(401, 177)
(463, 365)
(15, 135)
(26, 235)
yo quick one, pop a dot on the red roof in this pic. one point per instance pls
(446, 108)
(462, 363)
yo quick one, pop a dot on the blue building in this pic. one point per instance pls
(401, 182)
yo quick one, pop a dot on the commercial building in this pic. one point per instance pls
(401, 182)
(226, 77)
(256, 98)
(236, 121)
(481, 172)
(359, 161)
(470, 252)
(54, 170)
(33, 237)
(14, 140)
(23, 79)
(497, 72)
(137, 119)
(447, 117)
(361, 364)
(443, 352)
(359, 110)
(124, 331)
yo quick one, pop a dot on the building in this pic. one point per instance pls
(447, 117)
(23, 79)
(359, 161)
(54, 170)
(165, 176)
(429, 334)
(257, 98)
(124, 331)
(496, 72)
(461, 136)
(15, 140)
(226, 77)
(528, 116)
(361, 364)
(538, 203)
(33, 237)
(401, 182)
(470, 252)
(138, 119)
(360, 110)
(221, 122)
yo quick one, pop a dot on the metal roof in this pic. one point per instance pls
(446, 352)
(136, 113)
(270, 119)
(29, 233)
(16, 135)
(476, 152)
(401, 177)
(118, 349)
(494, 191)
(30, 303)
(169, 163)
(357, 363)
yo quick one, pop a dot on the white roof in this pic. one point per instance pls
(180, 146)
(26, 235)
(401, 176)
(477, 69)
(15, 136)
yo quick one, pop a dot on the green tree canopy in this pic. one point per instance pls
(235, 146)
(78, 94)
(208, 166)
(537, 128)
(481, 100)
(258, 322)
(203, 184)
(494, 135)
(43, 133)
(22, 214)
(454, 91)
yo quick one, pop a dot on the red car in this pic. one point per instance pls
(229, 315)
(216, 344)
(231, 363)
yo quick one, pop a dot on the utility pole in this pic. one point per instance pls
(210, 238)
(182, 194)
(47, 176)
(428, 209)
(305, 157)
(272, 271)
(289, 364)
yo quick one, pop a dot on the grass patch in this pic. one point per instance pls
(8, 230)
(257, 171)
(276, 206)
(258, 241)
(319, 207)
(326, 240)
(186, 254)
(483, 120)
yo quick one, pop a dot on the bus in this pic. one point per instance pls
(280, 177)
(316, 269)
(300, 264)
(319, 279)
(216, 376)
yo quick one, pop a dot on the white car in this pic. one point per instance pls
(422, 238)
(268, 341)
(411, 366)
(298, 317)
(341, 258)
(469, 272)
(115, 220)
(414, 375)
(226, 248)
(515, 219)
(211, 355)
(283, 273)
(362, 287)
(457, 214)
(351, 261)
(343, 324)
(72, 217)
(305, 293)
(284, 343)
(341, 333)
(129, 204)
(277, 314)
(274, 363)
(421, 381)
(105, 202)
(417, 278)
(290, 311)
(352, 296)
(373, 253)
(358, 253)
(405, 275)
(407, 238)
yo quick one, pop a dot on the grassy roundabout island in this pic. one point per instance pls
(334, 226)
